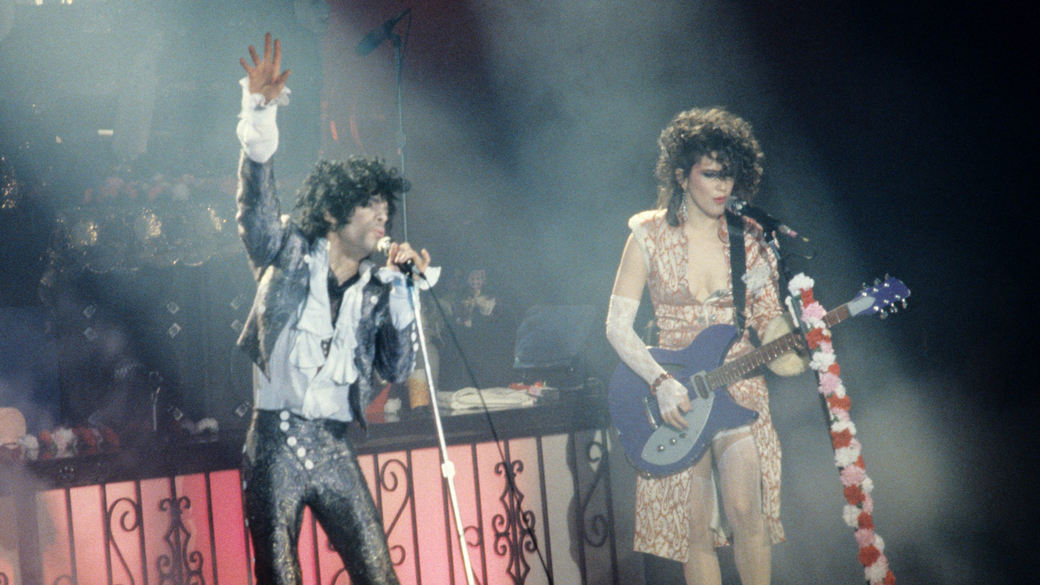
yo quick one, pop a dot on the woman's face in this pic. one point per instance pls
(706, 188)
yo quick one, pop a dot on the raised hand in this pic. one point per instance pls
(265, 76)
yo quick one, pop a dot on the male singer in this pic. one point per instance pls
(326, 325)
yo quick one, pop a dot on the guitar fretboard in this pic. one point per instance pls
(734, 370)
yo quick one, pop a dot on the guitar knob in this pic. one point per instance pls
(672, 440)
(660, 448)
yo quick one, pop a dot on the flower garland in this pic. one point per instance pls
(858, 512)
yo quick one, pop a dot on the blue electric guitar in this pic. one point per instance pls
(655, 447)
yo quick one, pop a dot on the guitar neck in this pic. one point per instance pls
(734, 370)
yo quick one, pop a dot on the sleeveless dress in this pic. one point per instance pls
(661, 524)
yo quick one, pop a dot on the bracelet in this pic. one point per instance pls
(658, 381)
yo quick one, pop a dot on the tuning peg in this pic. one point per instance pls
(894, 309)
(905, 302)
(877, 281)
(883, 314)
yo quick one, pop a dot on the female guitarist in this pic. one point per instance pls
(681, 251)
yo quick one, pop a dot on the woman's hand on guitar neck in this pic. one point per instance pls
(673, 397)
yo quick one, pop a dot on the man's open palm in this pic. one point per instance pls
(265, 76)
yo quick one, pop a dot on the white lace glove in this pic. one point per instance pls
(670, 395)
(621, 314)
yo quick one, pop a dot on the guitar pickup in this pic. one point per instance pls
(650, 405)
(699, 381)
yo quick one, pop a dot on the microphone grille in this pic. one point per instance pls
(383, 245)
(734, 204)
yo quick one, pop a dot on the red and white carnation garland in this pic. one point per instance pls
(858, 512)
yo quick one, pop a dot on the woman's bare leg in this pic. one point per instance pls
(741, 479)
(702, 565)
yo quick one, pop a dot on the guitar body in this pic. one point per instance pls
(656, 448)
(653, 446)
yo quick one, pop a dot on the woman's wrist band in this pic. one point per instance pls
(664, 376)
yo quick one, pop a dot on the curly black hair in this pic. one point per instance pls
(712, 132)
(337, 187)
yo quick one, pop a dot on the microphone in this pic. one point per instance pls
(376, 36)
(408, 267)
(738, 206)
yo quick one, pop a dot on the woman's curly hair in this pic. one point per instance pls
(338, 187)
(710, 132)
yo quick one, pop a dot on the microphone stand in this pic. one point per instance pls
(447, 467)
(793, 305)
(372, 40)
(399, 58)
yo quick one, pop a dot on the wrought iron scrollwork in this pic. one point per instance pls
(598, 529)
(389, 481)
(181, 567)
(513, 529)
(476, 533)
(340, 573)
(129, 521)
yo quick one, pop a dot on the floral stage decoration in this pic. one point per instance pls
(848, 457)
(89, 440)
(62, 442)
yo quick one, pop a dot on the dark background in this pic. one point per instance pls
(899, 136)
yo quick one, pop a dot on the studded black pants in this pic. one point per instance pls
(291, 462)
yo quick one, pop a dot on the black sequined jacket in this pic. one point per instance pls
(276, 248)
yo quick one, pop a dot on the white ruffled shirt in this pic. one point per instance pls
(302, 379)
(305, 381)
(257, 125)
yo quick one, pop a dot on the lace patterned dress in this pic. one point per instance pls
(661, 525)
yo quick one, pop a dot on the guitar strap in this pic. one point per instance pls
(738, 266)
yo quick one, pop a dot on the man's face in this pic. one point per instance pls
(366, 226)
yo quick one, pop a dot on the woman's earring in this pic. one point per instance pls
(682, 211)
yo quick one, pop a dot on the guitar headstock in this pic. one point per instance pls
(884, 297)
